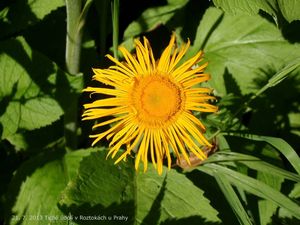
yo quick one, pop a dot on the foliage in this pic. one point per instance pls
(51, 175)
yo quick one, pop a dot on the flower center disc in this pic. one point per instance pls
(157, 99)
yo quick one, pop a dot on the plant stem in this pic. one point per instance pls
(74, 36)
(115, 21)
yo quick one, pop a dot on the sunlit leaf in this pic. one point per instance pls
(290, 9)
(113, 189)
(33, 90)
(35, 189)
(245, 47)
(171, 196)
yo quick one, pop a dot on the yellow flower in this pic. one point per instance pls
(150, 105)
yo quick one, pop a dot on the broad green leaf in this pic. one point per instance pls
(233, 199)
(115, 189)
(100, 188)
(153, 17)
(242, 47)
(35, 189)
(253, 186)
(290, 9)
(28, 82)
(171, 196)
(23, 13)
(278, 143)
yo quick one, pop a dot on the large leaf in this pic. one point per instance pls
(171, 196)
(35, 189)
(290, 9)
(115, 189)
(241, 49)
(28, 82)
(100, 182)
(23, 13)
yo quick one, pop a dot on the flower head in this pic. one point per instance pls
(150, 105)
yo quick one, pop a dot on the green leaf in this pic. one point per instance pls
(115, 189)
(253, 163)
(231, 46)
(28, 81)
(100, 187)
(170, 196)
(233, 199)
(23, 13)
(267, 208)
(35, 188)
(290, 9)
(278, 143)
(253, 186)
(153, 17)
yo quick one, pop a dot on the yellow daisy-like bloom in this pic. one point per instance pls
(151, 104)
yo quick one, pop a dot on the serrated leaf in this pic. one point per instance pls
(245, 46)
(290, 9)
(23, 13)
(35, 189)
(103, 186)
(100, 187)
(172, 196)
(27, 88)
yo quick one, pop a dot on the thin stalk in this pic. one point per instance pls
(115, 22)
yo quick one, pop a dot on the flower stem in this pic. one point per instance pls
(74, 37)
(76, 16)
(115, 22)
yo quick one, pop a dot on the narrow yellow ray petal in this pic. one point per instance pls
(148, 47)
(178, 57)
(131, 60)
(106, 91)
(180, 145)
(121, 65)
(186, 66)
(164, 60)
(106, 102)
(109, 121)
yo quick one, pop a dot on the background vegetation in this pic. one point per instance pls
(49, 172)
